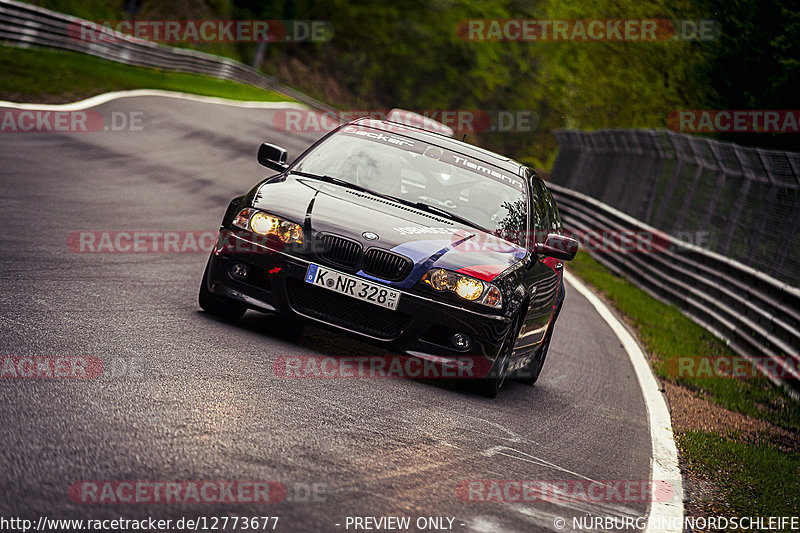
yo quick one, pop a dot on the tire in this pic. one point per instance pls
(490, 386)
(530, 374)
(216, 305)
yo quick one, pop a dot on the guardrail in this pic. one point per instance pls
(26, 25)
(746, 200)
(756, 315)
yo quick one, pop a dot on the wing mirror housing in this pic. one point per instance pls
(557, 246)
(272, 156)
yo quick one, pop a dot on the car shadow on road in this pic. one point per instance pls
(319, 341)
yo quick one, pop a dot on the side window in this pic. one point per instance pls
(540, 212)
(555, 218)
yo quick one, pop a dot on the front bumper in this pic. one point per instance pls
(420, 326)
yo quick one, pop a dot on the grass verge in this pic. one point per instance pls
(668, 335)
(51, 76)
(753, 476)
(753, 479)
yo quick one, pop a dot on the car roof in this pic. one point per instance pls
(411, 118)
(444, 141)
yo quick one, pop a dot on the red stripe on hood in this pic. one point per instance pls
(483, 272)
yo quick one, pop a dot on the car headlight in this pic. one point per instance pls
(469, 288)
(266, 224)
(466, 287)
(442, 280)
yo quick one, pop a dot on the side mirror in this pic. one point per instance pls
(272, 156)
(557, 246)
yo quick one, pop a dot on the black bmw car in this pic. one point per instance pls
(406, 238)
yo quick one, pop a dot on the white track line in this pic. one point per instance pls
(107, 97)
(663, 516)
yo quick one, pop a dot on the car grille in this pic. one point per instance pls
(339, 251)
(344, 311)
(386, 265)
(349, 255)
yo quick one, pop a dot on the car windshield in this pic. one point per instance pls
(415, 171)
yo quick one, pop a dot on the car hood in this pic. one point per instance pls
(428, 240)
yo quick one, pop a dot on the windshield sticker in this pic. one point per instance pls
(434, 152)
(481, 169)
(385, 138)
(426, 230)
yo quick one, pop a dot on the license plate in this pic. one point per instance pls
(352, 286)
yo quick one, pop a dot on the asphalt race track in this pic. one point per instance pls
(204, 403)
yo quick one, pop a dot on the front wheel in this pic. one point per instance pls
(530, 374)
(490, 385)
(216, 305)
